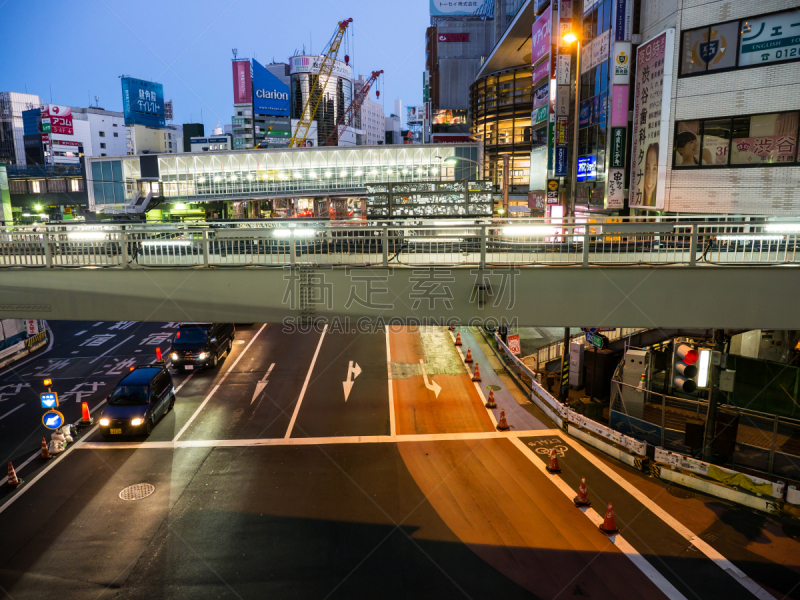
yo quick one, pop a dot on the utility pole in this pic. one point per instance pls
(563, 392)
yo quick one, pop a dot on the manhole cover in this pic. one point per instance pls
(137, 492)
(679, 492)
(792, 530)
(238, 342)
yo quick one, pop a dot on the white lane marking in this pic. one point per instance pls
(431, 385)
(97, 324)
(96, 358)
(262, 383)
(11, 411)
(364, 439)
(184, 382)
(483, 398)
(81, 332)
(76, 351)
(392, 424)
(216, 387)
(137, 350)
(621, 543)
(354, 370)
(305, 384)
(722, 562)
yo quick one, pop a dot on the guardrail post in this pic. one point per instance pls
(206, 252)
(772, 447)
(385, 244)
(48, 251)
(586, 238)
(483, 245)
(293, 255)
(693, 249)
(123, 248)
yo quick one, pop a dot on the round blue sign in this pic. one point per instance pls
(52, 419)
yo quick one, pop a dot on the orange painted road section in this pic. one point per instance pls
(505, 510)
(458, 409)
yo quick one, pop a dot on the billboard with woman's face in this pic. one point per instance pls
(651, 105)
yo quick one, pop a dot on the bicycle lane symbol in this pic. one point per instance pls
(560, 450)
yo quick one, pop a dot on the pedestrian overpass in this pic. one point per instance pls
(743, 272)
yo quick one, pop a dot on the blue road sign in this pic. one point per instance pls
(49, 400)
(53, 419)
(594, 339)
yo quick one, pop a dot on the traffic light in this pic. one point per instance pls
(684, 368)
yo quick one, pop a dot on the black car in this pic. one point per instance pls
(199, 345)
(138, 401)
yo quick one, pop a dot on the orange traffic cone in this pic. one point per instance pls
(477, 375)
(490, 403)
(86, 418)
(609, 526)
(45, 451)
(553, 467)
(12, 476)
(458, 339)
(452, 327)
(582, 499)
(159, 359)
(468, 359)
(502, 425)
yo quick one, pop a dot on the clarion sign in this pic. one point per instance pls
(273, 95)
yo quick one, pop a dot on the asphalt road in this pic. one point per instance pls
(278, 475)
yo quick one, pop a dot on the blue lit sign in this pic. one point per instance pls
(53, 419)
(560, 169)
(587, 168)
(270, 95)
(143, 102)
(49, 400)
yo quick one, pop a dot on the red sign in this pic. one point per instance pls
(45, 139)
(242, 83)
(540, 38)
(451, 138)
(65, 143)
(513, 344)
(453, 37)
(536, 200)
(60, 118)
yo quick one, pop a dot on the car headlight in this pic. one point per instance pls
(105, 422)
(137, 422)
(202, 356)
(174, 356)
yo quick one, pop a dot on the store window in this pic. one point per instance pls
(739, 141)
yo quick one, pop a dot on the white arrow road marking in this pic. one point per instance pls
(431, 385)
(261, 384)
(354, 370)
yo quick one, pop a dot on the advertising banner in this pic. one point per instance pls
(623, 20)
(270, 94)
(621, 64)
(541, 95)
(560, 162)
(540, 72)
(453, 37)
(586, 109)
(514, 345)
(541, 36)
(562, 69)
(772, 139)
(618, 147)
(536, 200)
(242, 84)
(552, 197)
(311, 64)
(595, 52)
(771, 38)
(619, 106)
(143, 102)
(562, 101)
(616, 189)
(415, 115)
(45, 124)
(447, 8)
(651, 107)
(587, 168)
(561, 131)
(65, 143)
(540, 114)
(59, 119)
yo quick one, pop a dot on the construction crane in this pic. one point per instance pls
(321, 80)
(349, 115)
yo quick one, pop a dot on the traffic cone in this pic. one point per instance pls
(458, 339)
(582, 499)
(609, 526)
(490, 403)
(477, 375)
(45, 452)
(159, 359)
(553, 467)
(452, 327)
(86, 418)
(502, 425)
(12, 476)
(468, 359)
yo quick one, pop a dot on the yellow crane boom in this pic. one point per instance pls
(313, 100)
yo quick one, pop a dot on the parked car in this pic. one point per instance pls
(138, 401)
(200, 345)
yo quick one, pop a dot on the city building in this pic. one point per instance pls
(37, 193)
(12, 141)
(107, 130)
(192, 130)
(261, 104)
(370, 119)
(336, 96)
(217, 141)
(153, 140)
(56, 135)
(394, 129)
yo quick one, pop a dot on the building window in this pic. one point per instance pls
(750, 140)
(170, 145)
(169, 135)
(115, 124)
(102, 134)
(102, 144)
(116, 134)
(102, 154)
(36, 187)
(74, 185)
(751, 42)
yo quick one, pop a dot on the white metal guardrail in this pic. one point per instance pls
(473, 244)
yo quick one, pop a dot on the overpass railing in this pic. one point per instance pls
(632, 242)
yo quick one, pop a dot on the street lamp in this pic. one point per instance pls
(570, 38)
